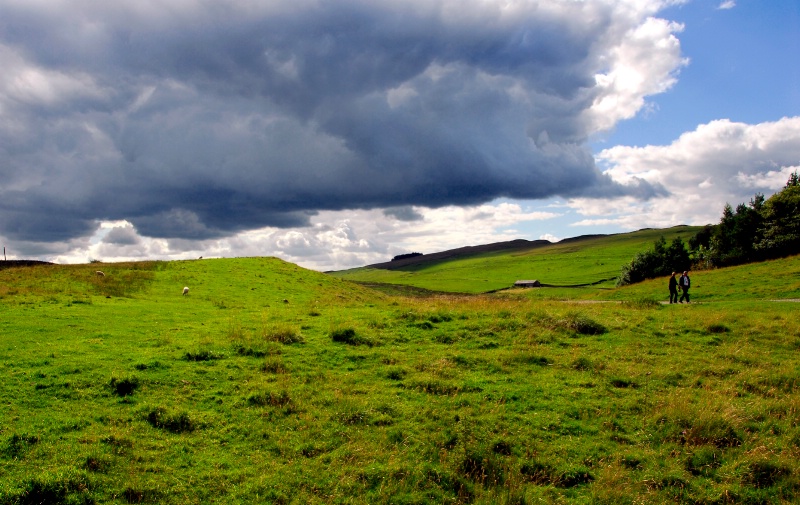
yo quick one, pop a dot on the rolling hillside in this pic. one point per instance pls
(595, 260)
(269, 383)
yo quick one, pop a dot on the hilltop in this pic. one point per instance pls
(467, 251)
(584, 260)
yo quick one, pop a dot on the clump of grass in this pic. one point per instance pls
(174, 423)
(573, 322)
(350, 337)
(484, 467)
(704, 461)
(124, 387)
(717, 328)
(715, 431)
(270, 398)
(456, 485)
(204, 355)
(502, 447)
(147, 366)
(644, 303)
(97, 464)
(283, 334)
(544, 474)
(538, 472)
(57, 489)
(434, 387)
(581, 324)
(584, 364)
(763, 474)
(133, 495)
(274, 365)
(622, 382)
(396, 373)
(529, 359)
(18, 444)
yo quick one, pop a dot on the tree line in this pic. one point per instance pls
(760, 230)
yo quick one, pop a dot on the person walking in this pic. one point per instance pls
(673, 289)
(685, 283)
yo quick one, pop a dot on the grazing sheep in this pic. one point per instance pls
(100, 274)
(185, 290)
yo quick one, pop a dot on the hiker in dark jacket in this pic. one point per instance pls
(673, 289)
(684, 283)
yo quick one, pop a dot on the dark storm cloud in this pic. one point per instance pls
(199, 121)
(403, 214)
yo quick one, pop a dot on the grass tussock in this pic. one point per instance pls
(283, 334)
(179, 422)
(125, 386)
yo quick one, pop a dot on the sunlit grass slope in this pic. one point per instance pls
(269, 383)
(592, 260)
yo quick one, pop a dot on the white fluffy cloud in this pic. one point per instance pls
(719, 162)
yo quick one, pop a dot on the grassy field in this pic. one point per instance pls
(590, 261)
(269, 383)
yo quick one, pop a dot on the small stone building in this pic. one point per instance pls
(527, 284)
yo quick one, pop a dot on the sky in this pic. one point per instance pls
(339, 133)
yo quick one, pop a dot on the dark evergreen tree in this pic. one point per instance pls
(780, 230)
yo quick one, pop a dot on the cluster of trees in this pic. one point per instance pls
(761, 230)
(662, 260)
(758, 231)
(406, 256)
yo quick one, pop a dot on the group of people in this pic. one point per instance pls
(683, 282)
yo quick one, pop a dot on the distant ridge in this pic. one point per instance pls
(21, 263)
(460, 252)
(511, 245)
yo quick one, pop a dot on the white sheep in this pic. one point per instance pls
(100, 274)
(185, 290)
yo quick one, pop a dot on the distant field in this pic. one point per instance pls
(269, 383)
(594, 260)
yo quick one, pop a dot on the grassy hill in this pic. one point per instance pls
(591, 260)
(269, 383)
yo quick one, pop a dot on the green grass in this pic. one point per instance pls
(269, 383)
(593, 260)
